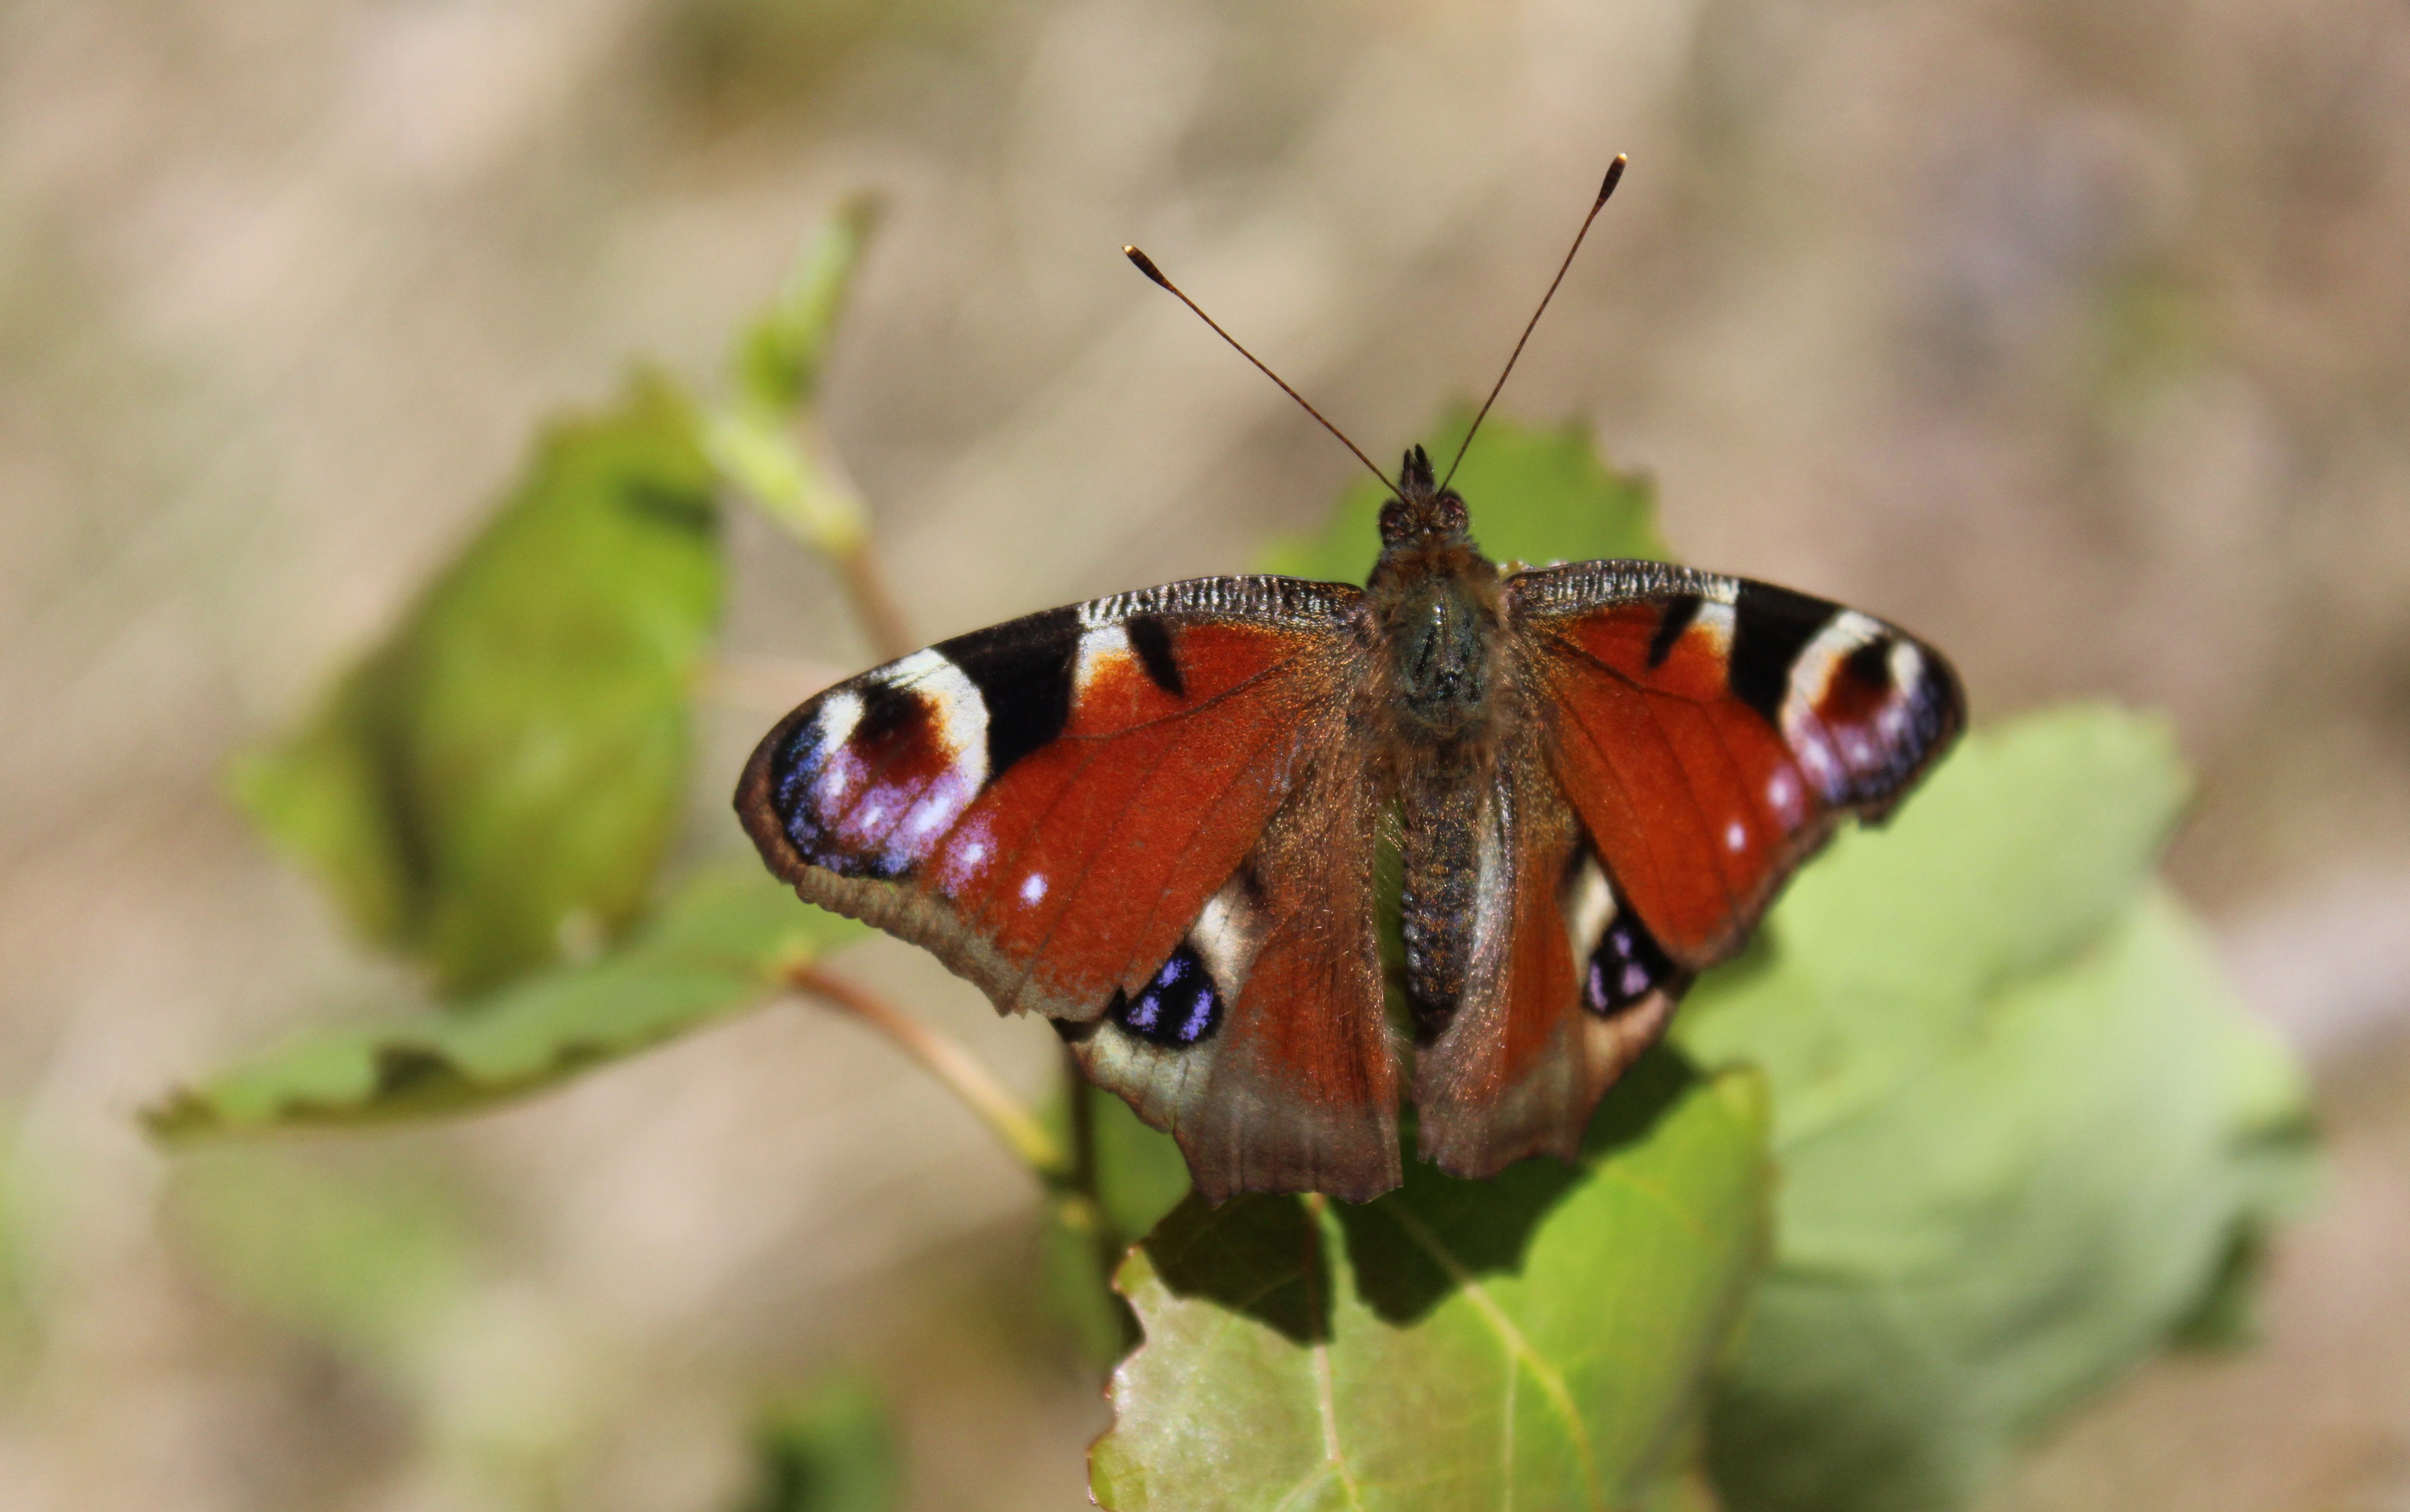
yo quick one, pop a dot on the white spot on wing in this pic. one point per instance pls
(1714, 620)
(1103, 649)
(1784, 796)
(1225, 935)
(1033, 888)
(1735, 837)
(1589, 908)
(835, 768)
(965, 857)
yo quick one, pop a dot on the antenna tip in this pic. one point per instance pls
(1145, 264)
(1614, 177)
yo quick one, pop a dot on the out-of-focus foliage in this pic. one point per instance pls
(501, 777)
(828, 1450)
(1540, 1339)
(360, 1267)
(1535, 496)
(723, 943)
(779, 357)
(1140, 1177)
(2022, 1122)
(757, 439)
(493, 790)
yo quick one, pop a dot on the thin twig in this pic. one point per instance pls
(866, 581)
(950, 1064)
(874, 605)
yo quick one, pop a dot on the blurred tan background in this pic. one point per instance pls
(2076, 336)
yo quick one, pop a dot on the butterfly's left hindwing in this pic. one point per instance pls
(1260, 1042)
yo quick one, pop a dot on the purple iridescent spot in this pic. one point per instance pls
(1627, 967)
(1180, 1006)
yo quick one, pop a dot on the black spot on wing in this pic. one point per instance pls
(1022, 669)
(1150, 638)
(1770, 627)
(1680, 611)
(1627, 967)
(1870, 665)
(1180, 1006)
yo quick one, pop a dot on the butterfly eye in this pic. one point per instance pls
(1452, 516)
(1393, 522)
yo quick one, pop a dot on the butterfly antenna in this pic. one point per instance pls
(1146, 265)
(1614, 177)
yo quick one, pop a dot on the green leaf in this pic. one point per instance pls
(1535, 496)
(722, 944)
(765, 442)
(1140, 1175)
(359, 1253)
(1539, 1340)
(2023, 1124)
(778, 358)
(832, 1450)
(501, 777)
(2021, 850)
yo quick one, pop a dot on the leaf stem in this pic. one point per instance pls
(874, 604)
(950, 1064)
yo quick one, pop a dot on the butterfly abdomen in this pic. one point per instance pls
(1441, 814)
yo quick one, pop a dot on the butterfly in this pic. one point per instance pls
(1156, 819)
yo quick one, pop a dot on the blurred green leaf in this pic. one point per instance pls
(1540, 1339)
(779, 357)
(499, 778)
(358, 1255)
(761, 454)
(1140, 1177)
(764, 440)
(2023, 1124)
(832, 1450)
(1535, 496)
(721, 944)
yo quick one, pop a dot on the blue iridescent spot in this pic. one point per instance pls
(1180, 1006)
(1628, 966)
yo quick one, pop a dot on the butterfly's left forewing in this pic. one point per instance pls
(1710, 731)
(1046, 804)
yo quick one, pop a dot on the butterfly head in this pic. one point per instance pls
(1423, 515)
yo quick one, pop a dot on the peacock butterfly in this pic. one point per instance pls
(1153, 819)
